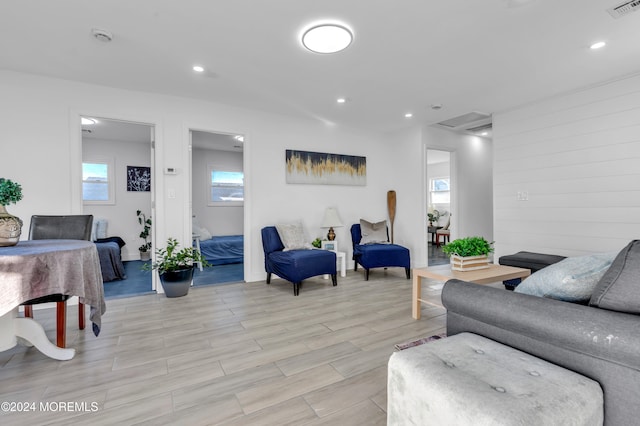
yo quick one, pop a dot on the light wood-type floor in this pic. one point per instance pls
(238, 354)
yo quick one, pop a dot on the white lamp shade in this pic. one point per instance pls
(331, 218)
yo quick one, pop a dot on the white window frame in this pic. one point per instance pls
(432, 190)
(210, 169)
(110, 181)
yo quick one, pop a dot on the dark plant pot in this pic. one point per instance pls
(177, 283)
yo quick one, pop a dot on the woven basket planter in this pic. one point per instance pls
(469, 263)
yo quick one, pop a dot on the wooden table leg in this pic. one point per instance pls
(417, 294)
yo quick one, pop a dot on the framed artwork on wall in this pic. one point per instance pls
(138, 178)
(325, 169)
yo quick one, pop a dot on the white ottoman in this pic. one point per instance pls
(467, 379)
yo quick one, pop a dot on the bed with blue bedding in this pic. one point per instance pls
(109, 252)
(224, 249)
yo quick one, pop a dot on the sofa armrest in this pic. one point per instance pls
(523, 320)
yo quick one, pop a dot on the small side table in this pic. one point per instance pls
(342, 258)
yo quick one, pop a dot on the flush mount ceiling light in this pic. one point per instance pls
(198, 68)
(327, 38)
(408, 115)
(341, 100)
(87, 121)
(598, 45)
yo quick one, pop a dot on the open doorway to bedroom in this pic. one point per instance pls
(217, 205)
(439, 190)
(116, 184)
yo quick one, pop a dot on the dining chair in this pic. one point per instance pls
(72, 227)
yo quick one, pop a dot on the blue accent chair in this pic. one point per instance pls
(295, 265)
(378, 255)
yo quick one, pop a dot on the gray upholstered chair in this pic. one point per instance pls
(73, 227)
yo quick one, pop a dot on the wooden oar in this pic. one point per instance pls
(391, 205)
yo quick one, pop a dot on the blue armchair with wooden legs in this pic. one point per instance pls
(295, 265)
(378, 255)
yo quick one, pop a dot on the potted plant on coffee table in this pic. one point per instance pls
(175, 267)
(10, 226)
(468, 254)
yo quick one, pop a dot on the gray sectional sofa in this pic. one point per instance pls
(600, 340)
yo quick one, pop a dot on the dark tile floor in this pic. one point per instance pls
(436, 256)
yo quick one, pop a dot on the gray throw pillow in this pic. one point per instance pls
(619, 288)
(572, 279)
(293, 237)
(373, 233)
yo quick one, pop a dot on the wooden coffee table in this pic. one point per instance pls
(444, 273)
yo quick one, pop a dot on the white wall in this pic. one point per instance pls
(122, 218)
(40, 127)
(578, 158)
(219, 220)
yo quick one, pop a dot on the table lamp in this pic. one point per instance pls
(330, 220)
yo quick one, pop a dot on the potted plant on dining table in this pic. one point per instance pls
(10, 226)
(175, 267)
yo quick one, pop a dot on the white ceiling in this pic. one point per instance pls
(467, 55)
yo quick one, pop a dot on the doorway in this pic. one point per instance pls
(117, 159)
(439, 196)
(217, 205)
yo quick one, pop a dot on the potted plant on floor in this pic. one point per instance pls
(145, 249)
(175, 267)
(10, 226)
(468, 254)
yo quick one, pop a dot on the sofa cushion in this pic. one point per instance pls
(572, 279)
(373, 233)
(619, 288)
(292, 236)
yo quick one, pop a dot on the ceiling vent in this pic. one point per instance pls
(624, 8)
(472, 122)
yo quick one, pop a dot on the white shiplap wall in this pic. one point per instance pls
(577, 156)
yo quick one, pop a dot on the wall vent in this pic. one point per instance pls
(624, 8)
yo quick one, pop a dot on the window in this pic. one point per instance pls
(439, 190)
(97, 182)
(226, 187)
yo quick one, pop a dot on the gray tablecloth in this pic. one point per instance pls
(38, 268)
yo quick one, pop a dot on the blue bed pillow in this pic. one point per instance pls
(572, 279)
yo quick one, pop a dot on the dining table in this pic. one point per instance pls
(37, 268)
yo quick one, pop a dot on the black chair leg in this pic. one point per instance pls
(334, 279)
(355, 266)
(366, 274)
(296, 289)
(268, 277)
(408, 272)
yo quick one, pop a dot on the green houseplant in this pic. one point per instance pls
(175, 267)
(469, 253)
(145, 249)
(10, 226)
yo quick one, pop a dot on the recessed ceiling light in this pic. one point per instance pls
(239, 138)
(198, 68)
(87, 121)
(436, 106)
(484, 134)
(341, 100)
(598, 45)
(327, 38)
(408, 115)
